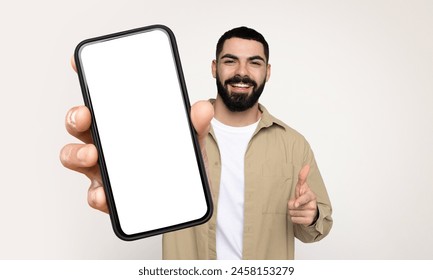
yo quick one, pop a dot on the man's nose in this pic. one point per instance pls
(242, 69)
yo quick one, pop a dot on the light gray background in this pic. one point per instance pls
(355, 77)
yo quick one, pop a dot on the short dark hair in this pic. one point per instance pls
(243, 32)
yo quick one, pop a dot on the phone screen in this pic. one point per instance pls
(150, 162)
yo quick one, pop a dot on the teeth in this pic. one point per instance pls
(241, 85)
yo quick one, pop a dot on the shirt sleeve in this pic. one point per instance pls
(323, 224)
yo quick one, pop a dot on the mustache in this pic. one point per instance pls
(239, 79)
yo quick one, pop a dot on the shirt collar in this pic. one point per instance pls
(266, 120)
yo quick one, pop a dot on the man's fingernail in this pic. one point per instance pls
(82, 154)
(71, 117)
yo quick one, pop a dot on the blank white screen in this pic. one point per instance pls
(142, 124)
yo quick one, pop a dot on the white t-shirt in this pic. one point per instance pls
(232, 144)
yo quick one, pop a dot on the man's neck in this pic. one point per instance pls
(227, 117)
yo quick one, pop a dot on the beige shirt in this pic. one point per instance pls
(273, 159)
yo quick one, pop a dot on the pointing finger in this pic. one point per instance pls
(303, 174)
(302, 178)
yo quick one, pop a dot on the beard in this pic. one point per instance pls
(239, 102)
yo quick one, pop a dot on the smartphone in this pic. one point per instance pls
(149, 156)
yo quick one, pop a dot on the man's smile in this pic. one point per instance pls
(240, 87)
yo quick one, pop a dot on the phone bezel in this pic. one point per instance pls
(95, 135)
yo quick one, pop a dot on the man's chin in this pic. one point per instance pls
(238, 103)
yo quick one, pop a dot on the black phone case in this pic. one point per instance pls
(95, 135)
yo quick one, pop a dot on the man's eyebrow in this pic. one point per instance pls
(255, 57)
(229, 56)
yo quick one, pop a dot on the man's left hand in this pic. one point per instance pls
(303, 208)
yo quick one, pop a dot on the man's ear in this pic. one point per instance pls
(268, 72)
(214, 67)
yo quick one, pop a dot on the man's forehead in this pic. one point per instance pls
(242, 47)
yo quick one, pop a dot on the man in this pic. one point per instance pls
(266, 186)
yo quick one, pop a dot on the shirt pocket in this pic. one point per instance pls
(276, 187)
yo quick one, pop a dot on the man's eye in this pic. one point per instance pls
(257, 63)
(229, 61)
